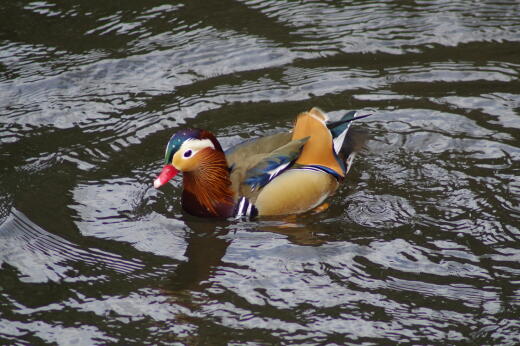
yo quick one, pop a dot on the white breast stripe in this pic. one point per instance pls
(241, 206)
(245, 208)
(249, 207)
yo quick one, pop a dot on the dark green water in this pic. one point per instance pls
(420, 246)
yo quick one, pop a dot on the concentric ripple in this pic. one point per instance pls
(379, 211)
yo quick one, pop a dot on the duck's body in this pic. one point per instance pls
(286, 173)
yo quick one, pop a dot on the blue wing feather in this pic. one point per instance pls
(262, 174)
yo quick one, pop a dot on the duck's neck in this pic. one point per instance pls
(207, 190)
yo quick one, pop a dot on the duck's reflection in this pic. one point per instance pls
(207, 246)
(209, 239)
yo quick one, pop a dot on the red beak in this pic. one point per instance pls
(167, 173)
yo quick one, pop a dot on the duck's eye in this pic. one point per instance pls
(187, 153)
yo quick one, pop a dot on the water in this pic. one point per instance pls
(421, 245)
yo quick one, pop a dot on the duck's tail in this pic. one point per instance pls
(347, 141)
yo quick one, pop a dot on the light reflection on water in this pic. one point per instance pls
(420, 245)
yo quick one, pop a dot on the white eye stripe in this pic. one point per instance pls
(194, 146)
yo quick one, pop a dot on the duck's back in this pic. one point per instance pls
(289, 173)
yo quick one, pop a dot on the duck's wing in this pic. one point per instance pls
(235, 155)
(255, 163)
(267, 166)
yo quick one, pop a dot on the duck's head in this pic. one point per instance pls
(185, 152)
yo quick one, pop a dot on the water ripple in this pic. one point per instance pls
(419, 245)
(379, 211)
(19, 233)
(390, 27)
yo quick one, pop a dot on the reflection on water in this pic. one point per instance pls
(420, 245)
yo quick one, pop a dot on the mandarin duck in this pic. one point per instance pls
(285, 173)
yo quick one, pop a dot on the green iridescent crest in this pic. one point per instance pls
(176, 141)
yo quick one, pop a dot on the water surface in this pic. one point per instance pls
(421, 245)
